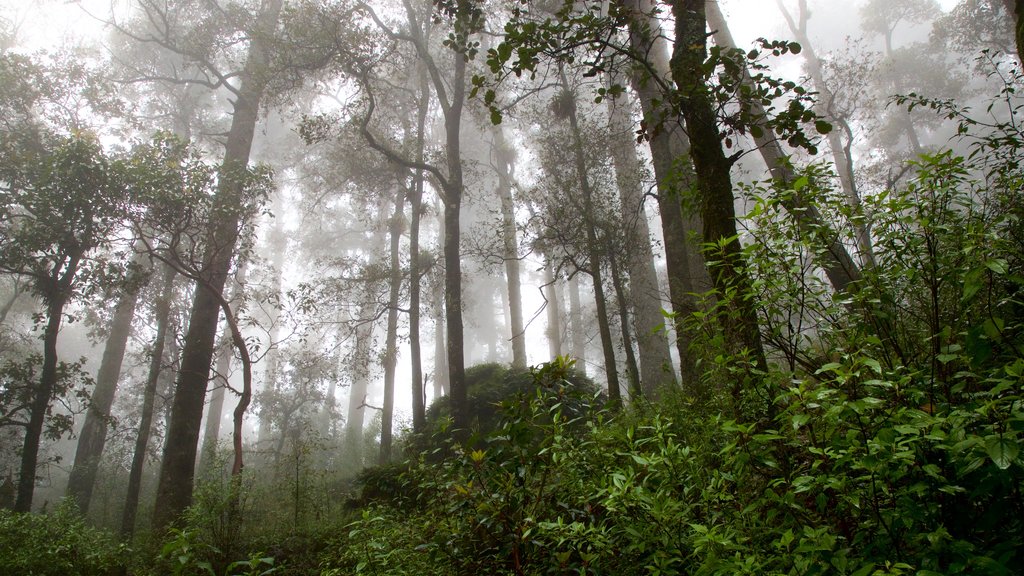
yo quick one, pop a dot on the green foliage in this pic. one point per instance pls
(56, 544)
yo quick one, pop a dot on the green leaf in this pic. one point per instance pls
(794, 47)
(495, 116)
(1002, 450)
(822, 126)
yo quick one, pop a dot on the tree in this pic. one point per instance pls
(58, 208)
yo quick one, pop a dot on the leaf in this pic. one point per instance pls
(800, 419)
(495, 116)
(794, 47)
(1002, 450)
(822, 126)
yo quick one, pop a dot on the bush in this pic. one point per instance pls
(56, 544)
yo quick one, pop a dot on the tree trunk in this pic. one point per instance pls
(554, 309)
(395, 226)
(174, 492)
(594, 256)
(93, 436)
(729, 271)
(356, 413)
(578, 341)
(669, 146)
(652, 341)
(636, 393)
(840, 153)
(839, 266)
(504, 159)
(278, 242)
(162, 313)
(419, 418)
(40, 401)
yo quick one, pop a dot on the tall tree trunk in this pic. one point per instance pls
(396, 225)
(554, 309)
(652, 341)
(93, 436)
(1015, 8)
(162, 312)
(839, 266)
(504, 158)
(215, 411)
(419, 417)
(594, 256)
(174, 492)
(841, 153)
(578, 341)
(636, 393)
(356, 413)
(59, 290)
(670, 147)
(278, 241)
(729, 271)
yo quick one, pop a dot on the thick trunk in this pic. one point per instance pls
(391, 338)
(504, 158)
(669, 146)
(40, 402)
(594, 252)
(356, 413)
(1016, 10)
(174, 492)
(93, 437)
(162, 313)
(729, 271)
(645, 296)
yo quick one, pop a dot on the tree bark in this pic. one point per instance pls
(93, 436)
(670, 147)
(645, 296)
(174, 492)
(504, 162)
(419, 418)
(396, 225)
(578, 340)
(162, 313)
(729, 270)
(594, 256)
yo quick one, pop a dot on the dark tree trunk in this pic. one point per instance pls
(174, 492)
(93, 437)
(621, 299)
(162, 313)
(669, 151)
(396, 225)
(729, 271)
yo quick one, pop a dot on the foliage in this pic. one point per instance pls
(56, 544)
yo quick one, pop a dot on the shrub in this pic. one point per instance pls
(56, 544)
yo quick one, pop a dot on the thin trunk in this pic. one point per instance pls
(1015, 8)
(504, 160)
(6, 308)
(670, 147)
(356, 413)
(174, 492)
(278, 241)
(396, 225)
(578, 338)
(554, 308)
(162, 312)
(729, 270)
(632, 369)
(419, 418)
(652, 341)
(220, 382)
(93, 437)
(594, 255)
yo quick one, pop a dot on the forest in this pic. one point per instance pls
(511, 287)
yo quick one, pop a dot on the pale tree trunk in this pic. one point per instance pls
(162, 312)
(621, 298)
(278, 241)
(419, 418)
(645, 296)
(578, 340)
(594, 256)
(93, 436)
(554, 310)
(395, 227)
(504, 159)
(839, 266)
(669, 146)
(841, 153)
(174, 492)
(356, 413)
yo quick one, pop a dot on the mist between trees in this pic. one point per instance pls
(525, 287)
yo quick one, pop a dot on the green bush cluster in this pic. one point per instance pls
(56, 544)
